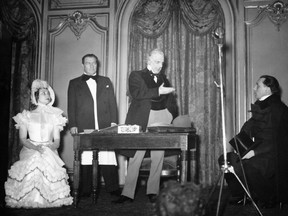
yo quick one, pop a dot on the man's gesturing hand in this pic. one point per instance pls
(165, 90)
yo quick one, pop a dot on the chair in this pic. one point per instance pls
(171, 165)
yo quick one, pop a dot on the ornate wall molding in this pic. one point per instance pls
(77, 22)
(70, 4)
(277, 13)
(258, 49)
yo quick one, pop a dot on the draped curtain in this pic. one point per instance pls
(183, 30)
(20, 22)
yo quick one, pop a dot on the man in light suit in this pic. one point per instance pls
(152, 102)
(92, 105)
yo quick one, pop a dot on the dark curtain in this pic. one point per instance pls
(19, 21)
(183, 30)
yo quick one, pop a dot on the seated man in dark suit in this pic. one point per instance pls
(265, 165)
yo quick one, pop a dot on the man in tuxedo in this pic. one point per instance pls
(152, 102)
(265, 165)
(92, 105)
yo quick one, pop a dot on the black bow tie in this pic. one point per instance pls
(153, 75)
(86, 77)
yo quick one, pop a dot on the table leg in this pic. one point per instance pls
(193, 167)
(76, 176)
(183, 166)
(179, 167)
(95, 175)
(193, 159)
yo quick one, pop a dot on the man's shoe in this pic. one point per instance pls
(152, 197)
(122, 199)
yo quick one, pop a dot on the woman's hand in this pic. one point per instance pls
(51, 146)
(39, 148)
(25, 142)
(54, 145)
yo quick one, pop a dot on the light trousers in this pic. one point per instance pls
(134, 164)
(163, 117)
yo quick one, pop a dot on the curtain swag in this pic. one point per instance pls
(152, 17)
(200, 17)
(18, 19)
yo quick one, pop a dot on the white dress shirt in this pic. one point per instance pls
(104, 157)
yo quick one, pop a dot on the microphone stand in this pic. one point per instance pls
(218, 35)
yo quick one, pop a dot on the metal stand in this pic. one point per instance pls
(229, 169)
(218, 35)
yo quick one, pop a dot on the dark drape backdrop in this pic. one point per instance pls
(19, 21)
(183, 30)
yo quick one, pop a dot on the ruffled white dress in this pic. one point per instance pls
(38, 180)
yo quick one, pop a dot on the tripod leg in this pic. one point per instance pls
(220, 193)
(246, 191)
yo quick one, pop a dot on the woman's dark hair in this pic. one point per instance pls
(272, 83)
(36, 94)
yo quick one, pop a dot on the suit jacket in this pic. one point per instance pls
(269, 126)
(143, 90)
(81, 105)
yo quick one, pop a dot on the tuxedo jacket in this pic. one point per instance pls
(81, 104)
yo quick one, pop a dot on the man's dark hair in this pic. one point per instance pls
(272, 83)
(91, 56)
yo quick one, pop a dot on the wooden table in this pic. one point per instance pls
(111, 141)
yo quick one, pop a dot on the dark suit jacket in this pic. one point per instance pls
(269, 127)
(142, 90)
(81, 105)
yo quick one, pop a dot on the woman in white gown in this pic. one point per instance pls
(38, 179)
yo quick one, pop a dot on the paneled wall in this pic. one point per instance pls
(266, 44)
(72, 29)
(262, 48)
